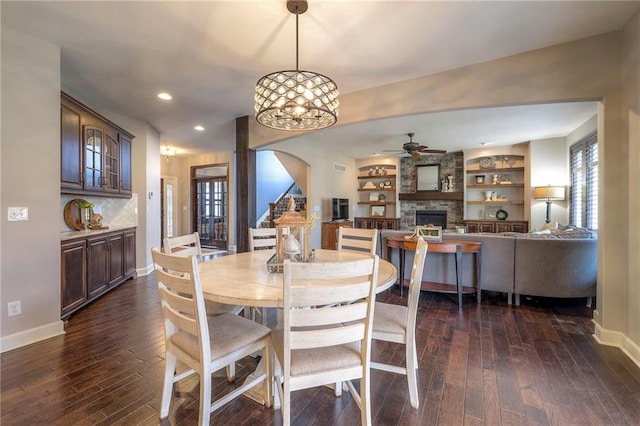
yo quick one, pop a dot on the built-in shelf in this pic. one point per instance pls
(497, 202)
(500, 185)
(377, 189)
(494, 171)
(430, 195)
(377, 203)
(377, 176)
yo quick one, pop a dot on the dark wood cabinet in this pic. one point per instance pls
(71, 151)
(494, 226)
(93, 265)
(129, 253)
(376, 223)
(330, 233)
(96, 267)
(73, 275)
(115, 256)
(95, 153)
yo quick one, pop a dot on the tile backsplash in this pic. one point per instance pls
(114, 211)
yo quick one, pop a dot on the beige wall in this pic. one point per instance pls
(630, 330)
(324, 182)
(30, 170)
(548, 167)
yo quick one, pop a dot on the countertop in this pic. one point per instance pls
(71, 235)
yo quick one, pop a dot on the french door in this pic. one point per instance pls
(211, 204)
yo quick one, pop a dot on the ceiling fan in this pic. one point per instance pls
(415, 149)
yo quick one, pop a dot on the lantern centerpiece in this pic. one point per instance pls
(293, 235)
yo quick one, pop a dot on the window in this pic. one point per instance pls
(584, 183)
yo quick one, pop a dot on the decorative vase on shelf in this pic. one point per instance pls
(85, 217)
(487, 194)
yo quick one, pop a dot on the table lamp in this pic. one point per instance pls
(548, 193)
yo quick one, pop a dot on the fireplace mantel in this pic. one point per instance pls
(430, 195)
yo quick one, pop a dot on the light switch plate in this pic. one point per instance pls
(15, 214)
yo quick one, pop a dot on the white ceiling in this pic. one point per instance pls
(116, 56)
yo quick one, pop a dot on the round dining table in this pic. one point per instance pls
(243, 279)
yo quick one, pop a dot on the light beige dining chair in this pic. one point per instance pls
(185, 245)
(357, 239)
(189, 244)
(321, 340)
(204, 344)
(360, 240)
(262, 239)
(397, 323)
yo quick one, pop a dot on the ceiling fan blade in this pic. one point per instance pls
(426, 149)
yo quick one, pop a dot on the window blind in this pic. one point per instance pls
(583, 160)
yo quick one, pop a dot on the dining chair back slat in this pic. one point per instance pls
(357, 239)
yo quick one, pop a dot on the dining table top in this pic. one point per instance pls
(243, 279)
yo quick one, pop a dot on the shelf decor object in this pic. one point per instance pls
(548, 193)
(296, 100)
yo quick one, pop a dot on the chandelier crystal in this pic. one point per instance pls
(296, 99)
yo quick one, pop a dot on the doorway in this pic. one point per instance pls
(209, 186)
(169, 207)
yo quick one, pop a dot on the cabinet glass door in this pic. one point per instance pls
(94, 149)
(111, 158)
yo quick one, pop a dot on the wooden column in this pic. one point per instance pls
(245, 185)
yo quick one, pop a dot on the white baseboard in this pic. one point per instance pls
(141, 272)
(618, 340)
(32, 335)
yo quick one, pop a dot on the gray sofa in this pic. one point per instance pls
(550, 265)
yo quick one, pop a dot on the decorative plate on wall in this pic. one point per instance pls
(72, 214)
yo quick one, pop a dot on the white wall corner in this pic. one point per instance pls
(144, 271)
(618, 340)
(32, 335)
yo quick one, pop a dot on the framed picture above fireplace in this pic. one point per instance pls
(428, 177)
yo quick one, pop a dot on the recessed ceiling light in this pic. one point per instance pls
(199, 128)
(164, 96)
(487, 143)
(375, 154)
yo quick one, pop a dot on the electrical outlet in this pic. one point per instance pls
(16, 214)
(14, 308)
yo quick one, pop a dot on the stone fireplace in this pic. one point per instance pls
(450, 165)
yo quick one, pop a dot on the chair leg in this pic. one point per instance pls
(267, 362)
(167, 388)
(285, 404)
(205, 398)
(231, 372)
(365, 399)
(412, 379)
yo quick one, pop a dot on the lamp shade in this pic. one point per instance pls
(548, 193)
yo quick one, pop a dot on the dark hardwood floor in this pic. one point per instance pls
(490, 364)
